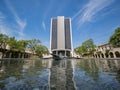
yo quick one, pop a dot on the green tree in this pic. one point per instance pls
(32, 45)
(18, 45)
(23, 44)
(80, 50)
(89, 46)
(13, 43)
(115, 38)
(40, 50)
(3, 41)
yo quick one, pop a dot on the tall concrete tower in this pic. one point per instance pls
(61, 37)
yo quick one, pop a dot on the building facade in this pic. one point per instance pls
(61, 37)
(106, 50)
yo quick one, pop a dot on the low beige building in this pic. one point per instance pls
(106, 50)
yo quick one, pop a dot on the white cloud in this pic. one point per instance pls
(2, 16)
(21, 23)
(43, 25)
(4, 29)
(89, 11)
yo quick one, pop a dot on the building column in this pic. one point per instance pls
(22, 55)
(28, 56)
(10, 54)
(104, 56)
(65, 53)
(114, 55)
(0, 55)
(56, 52)
(109, 56)
(19, 56)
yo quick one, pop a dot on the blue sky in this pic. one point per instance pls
(28, 19)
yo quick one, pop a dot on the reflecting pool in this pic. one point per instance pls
(70, 74)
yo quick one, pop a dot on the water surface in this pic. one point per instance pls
(68, 74)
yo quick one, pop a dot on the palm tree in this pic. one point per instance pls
(13, 43)
(23, 44)
(32, 45)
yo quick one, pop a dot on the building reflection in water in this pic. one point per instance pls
(61, 77)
